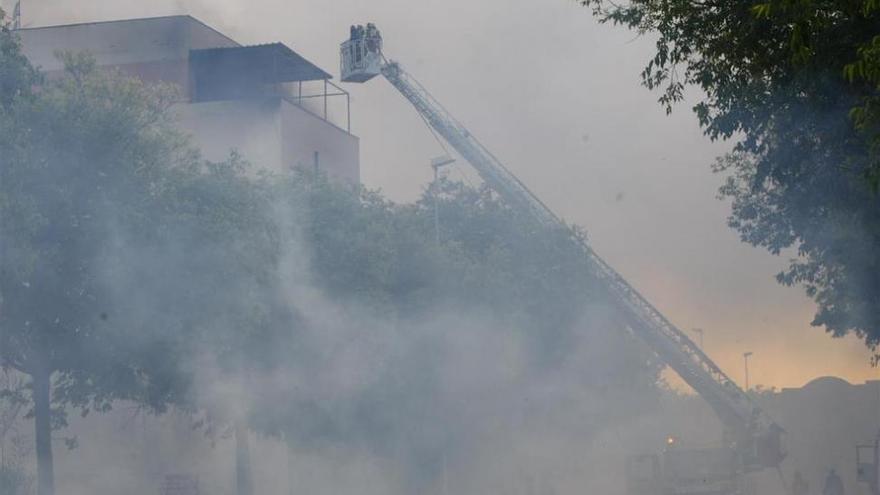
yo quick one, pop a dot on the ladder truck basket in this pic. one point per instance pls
(361, 55)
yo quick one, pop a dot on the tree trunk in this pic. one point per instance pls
(243, 481)
(43, 431)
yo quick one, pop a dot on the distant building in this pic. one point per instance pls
(825, 420)
(266, 101)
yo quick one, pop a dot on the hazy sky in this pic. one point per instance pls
(557, 97)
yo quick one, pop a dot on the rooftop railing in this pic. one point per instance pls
(323, 99)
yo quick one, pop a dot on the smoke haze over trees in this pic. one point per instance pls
(318, 313)
(795, 85)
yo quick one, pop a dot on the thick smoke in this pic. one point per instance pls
(557, 98)
(447, 397)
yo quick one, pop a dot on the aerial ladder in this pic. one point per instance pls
(749, 431)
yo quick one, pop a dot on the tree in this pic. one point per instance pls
(14, 479)
(235, 301)
(795, 83)
(17, 76)
(89, 160)
(390, 286)
(128, 262)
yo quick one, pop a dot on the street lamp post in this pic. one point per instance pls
(746, 356)
(436, 164)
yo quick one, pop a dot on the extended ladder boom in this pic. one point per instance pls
(754, 434)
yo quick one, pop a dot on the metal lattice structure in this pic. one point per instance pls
(749, 429)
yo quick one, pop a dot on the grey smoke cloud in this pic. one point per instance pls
(531, 79)
(394, 404)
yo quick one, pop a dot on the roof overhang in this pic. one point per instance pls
(270, 63)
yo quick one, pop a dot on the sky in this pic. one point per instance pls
(556, 97)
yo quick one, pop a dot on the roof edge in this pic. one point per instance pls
(285, 50)
(134, 19)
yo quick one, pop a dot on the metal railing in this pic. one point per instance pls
(319, 98)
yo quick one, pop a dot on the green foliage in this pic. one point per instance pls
(534, 275)
(795, 82)
(383, 256)
(380, 262)
(132, 269)
(102, 206)
(16, 74)
(87, 157)
(14, 481)
(124, 255)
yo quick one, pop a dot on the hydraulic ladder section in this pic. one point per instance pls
(749, 429)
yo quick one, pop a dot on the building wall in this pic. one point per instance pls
(824, 421)
(122, 42)
(251, 127)
(304, 134)
(271, 133)
(154, 49)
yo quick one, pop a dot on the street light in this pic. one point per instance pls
(746, 362)
(699, 331)
(437, 164)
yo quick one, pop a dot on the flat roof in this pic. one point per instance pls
(216, 55)
(270, 63)
(184, 17)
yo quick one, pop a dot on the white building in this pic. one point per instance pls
(266, 101)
